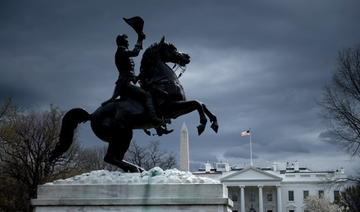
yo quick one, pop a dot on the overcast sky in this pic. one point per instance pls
(255, 64)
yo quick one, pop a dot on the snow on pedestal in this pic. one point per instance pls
(153, 190)
(153, 176)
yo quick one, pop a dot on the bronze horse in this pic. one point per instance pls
(115, 121)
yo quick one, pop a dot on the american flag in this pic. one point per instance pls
(245, 133)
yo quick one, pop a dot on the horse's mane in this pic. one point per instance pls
(150, 54)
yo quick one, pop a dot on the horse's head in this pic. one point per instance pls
(153, 63)
(167, 52)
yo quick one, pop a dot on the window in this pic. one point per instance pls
(321, 193)
(305, 194)
(221, 166)
(234, 197)
(269, 197)
(252, 196)
(336, 196)
(291, 195)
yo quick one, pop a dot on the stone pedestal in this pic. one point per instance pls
(130, 197)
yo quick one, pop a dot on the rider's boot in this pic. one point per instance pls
(151, 111)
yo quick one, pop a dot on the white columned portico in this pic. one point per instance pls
(261, 203)
(278, 193)
(242, 198)
(253, 178)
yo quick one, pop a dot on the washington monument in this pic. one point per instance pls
(184, 148)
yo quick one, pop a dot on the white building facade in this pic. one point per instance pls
(282, 188)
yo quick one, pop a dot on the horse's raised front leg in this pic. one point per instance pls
(176, 109)
(212, 117)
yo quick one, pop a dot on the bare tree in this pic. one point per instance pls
(8, 108)
(89, 159)
(350, 199)
(315, 204)
(341, 101)
(146, 157)
(26, 139)
(11, 198)
(355, 178)
(150, 156)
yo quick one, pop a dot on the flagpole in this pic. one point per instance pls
(251, 157)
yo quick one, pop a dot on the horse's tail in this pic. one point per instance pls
(69, 123)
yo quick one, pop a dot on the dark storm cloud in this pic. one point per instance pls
(239, 153)
(258, 64)
(15, 90)
(285, 145)
(328, 136)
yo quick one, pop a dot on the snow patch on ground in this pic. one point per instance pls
(153, 176)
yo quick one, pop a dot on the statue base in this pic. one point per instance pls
(155, 196)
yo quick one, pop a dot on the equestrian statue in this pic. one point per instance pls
(159, 98)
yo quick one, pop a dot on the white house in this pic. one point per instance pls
(281, 188)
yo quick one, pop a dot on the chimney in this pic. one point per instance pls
(296, 166)
(342, 170)
(207, 167)
(275, 166)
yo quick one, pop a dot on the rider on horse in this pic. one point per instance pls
(125, 85)
(114, 122)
